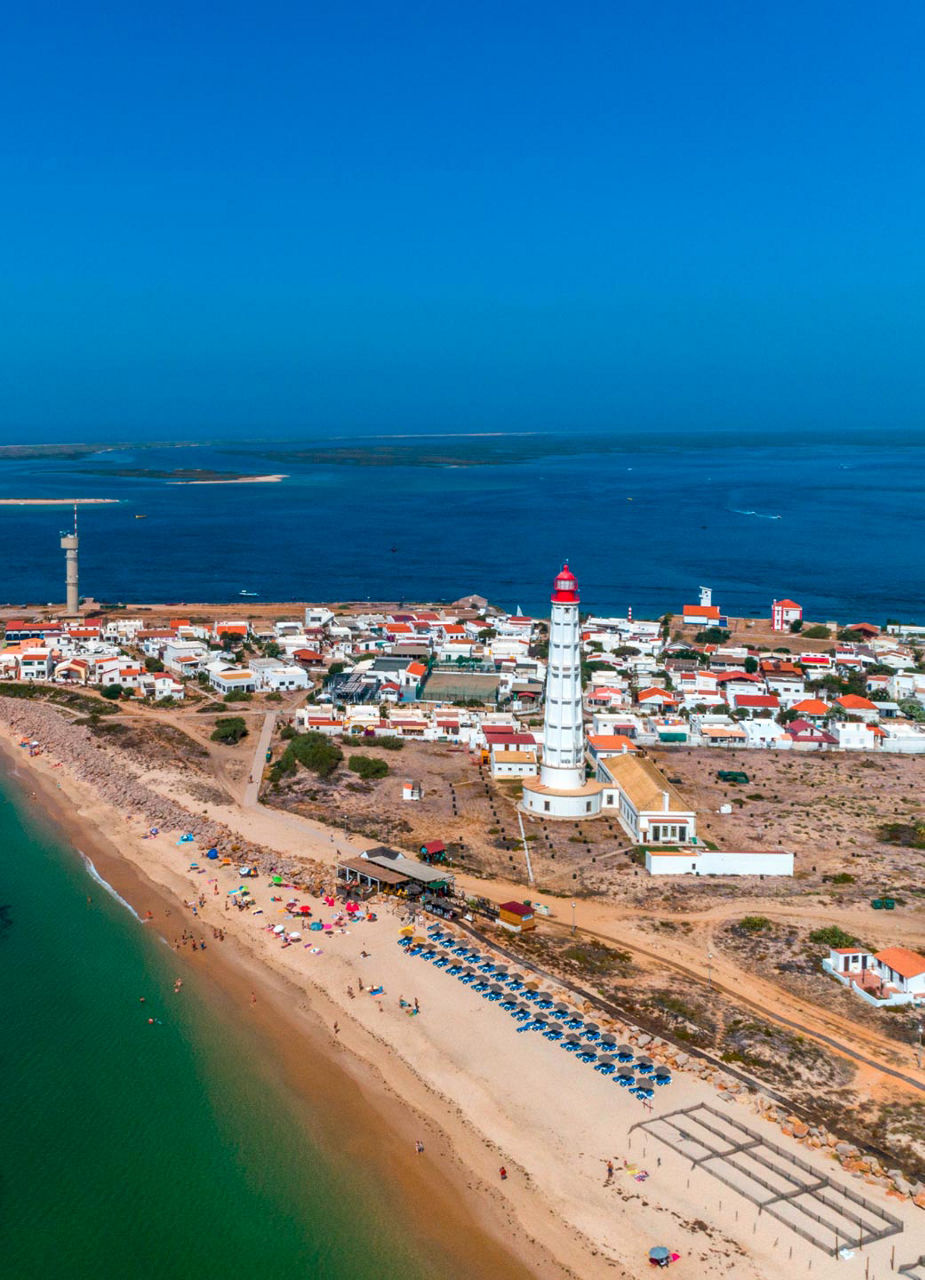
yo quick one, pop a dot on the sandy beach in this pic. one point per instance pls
(56, 502)
(457, 1075)
(236, 480)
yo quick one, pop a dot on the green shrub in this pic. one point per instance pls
(237, 695)
(832, 936)
(229, 729)
(754, 924)
(368, 767)
(311, 750)
(274, 697)
(816, 633)
(112, 691)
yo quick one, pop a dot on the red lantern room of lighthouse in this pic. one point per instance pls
(565, 588)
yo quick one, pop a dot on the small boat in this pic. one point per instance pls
(140, 517)
(249, 593)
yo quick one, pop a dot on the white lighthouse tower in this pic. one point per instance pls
(561, 790)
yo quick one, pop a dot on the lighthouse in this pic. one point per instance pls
(561, 790)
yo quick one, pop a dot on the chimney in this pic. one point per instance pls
(666, 802)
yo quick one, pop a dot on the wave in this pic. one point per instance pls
(759, 515)
(95, 875)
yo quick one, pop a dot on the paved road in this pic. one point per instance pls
(252, 788)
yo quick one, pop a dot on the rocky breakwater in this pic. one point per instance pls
(110, 778)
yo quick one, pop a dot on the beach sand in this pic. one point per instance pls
(459, 1077)
(236, 480)
(55, 502)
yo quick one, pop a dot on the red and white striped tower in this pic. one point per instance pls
(563, 731)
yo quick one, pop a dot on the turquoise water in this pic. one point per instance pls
(167, 1151)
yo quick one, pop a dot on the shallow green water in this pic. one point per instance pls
(169, 1151)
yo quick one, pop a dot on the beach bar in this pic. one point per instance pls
(383, 870)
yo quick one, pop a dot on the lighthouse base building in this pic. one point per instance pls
(562, 790)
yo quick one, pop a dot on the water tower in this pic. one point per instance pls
(69, 544)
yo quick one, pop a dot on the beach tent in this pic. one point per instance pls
(660, 1256)
(279, 928)
(212, 854)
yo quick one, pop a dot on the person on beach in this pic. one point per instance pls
(336, 1029)
(419, 1147)
(503, 1173)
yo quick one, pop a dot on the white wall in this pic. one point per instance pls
(709, 863)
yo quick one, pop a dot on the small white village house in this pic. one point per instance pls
(784, 613)
(890, 977)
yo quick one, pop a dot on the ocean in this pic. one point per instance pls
(166, 1150)
(837, 524)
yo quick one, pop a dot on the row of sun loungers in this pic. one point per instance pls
(538, 1011)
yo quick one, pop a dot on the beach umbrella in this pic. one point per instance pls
(659, 1254)
(295, 937)
(572, 1040)
(606, 1060)
(625, 1051)
(607, 1041)
(540, 1017)
(642, 1083)
(516, 977)
(562, 1008)
(419, 939)
(532, 986)
(406, 932)
(279, 928)
(524, 1008)
(213, 854)
(305, 910)
(591, 1026)
(625, 1073)
(496, 990)
(501, 970)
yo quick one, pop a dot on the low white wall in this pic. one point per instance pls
(710, 863)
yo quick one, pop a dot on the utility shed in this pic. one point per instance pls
(517, 917)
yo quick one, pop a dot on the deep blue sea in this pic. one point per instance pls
(838, 525)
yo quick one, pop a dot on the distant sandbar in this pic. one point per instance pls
(236, 480)
(53, 502)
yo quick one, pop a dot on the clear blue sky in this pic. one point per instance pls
(281, 218)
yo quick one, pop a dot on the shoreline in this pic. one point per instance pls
(377, 1118)
(479, 1095)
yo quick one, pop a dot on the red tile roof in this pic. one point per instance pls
(908, 964)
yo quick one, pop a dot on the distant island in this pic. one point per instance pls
(183, 475)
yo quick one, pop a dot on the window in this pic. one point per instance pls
(588, 806)
(546, 806)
